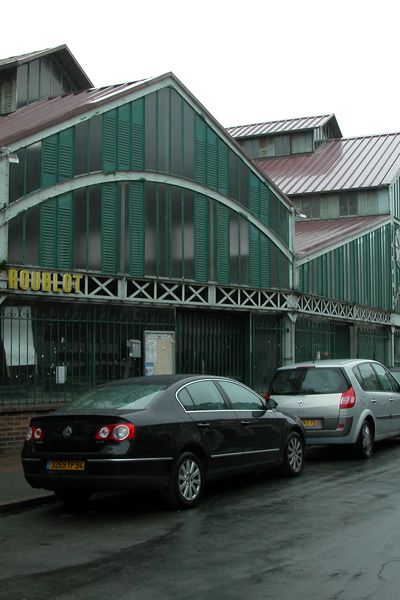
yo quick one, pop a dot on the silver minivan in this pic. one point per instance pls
(347, 401)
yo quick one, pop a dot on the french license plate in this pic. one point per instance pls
(66, 465)
(312, 423)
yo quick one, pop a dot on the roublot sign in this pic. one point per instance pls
(44, 281)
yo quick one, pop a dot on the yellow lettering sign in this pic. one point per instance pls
(44, 281)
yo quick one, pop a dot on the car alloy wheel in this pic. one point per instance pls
(294, 454)
(365, 442)
(186, 482)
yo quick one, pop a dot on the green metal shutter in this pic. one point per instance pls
(110, 229)
(200, 151)
(212, 170)
(201, 241)
(49, 161)
(222, 244)
(264, 204)
(254, 195)
(48, 234)
(64, 232)
(123, 145)
(66, 154)
(265, 261)
(136, 229)
(137, 134)
(110, 140)
(223, 168)
(254, 257)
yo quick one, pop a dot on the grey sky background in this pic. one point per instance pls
(246, 61)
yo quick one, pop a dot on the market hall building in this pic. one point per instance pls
(137, 237)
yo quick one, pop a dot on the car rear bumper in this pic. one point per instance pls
(106, 475)
(342, 434)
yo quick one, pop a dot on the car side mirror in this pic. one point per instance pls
(271, 404)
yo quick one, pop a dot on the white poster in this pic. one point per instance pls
(159, 348)
(17, 336)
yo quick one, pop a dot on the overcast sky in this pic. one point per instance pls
(247, 61)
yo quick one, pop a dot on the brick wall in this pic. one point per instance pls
(13, 424)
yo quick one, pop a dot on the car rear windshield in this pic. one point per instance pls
(309, 380)
(134, 396)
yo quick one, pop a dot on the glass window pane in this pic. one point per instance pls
(185, 399)
(384, 378)
(188, 141)
(176, 133)
(81, 148)
(244, 251)
(162, 247)
(22, 85)
(33, 167)
(234, 247)
(45, 73)
(150, 229)
(240, 397)
(80, 229)
(17, 177)
(15, 240)
(177, 233)
(32, 237)
(188, 234)
(367, 378)
(33, 81)
(206, 396)
(94, 230)
(163, 130)
(95, 144)
(150, 132)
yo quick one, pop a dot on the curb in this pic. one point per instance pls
(12, 505)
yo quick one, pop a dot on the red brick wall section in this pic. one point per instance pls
(13, 425)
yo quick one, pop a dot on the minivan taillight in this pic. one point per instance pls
(348, 399)
(116, 432)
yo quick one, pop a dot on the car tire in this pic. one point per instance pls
(364, 445)
(293, 460)
(186, 484)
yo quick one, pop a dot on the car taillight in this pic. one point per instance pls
(348, 399)
(34, 434)
(116, 432)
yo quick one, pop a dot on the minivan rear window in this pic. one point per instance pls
(309, 380)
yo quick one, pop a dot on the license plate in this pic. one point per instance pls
(66, 465)
(312, 423)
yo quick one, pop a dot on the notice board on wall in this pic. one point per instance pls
(159, 352)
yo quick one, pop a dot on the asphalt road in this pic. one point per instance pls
(332, 533)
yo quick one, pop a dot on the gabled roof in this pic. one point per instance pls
(46, 113)
(63, 54)
(317, 237)
(344, 164)
(287, 125)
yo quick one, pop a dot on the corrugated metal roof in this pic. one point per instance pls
(51, 111)
(344, 164)
(271, 127)
(62, 52)
(313, 237)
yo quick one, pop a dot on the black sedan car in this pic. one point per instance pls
(169, 433)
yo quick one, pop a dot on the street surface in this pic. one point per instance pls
(331, 534)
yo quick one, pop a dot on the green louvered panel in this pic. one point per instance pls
(64, 232)
(200, 151)
(136, 229)
(124, 145)
(212, 169)
(222, 243)
(306, 285)
(367, 270)
(201, 238)
(254, 256)
(265, 261)
(66, 154)
(355, 271)
(254, 195)
(110, 140)
(137, 134)
(264, 204)
(110, 229)
(339, 273)
(223, 168)
(49, 163)
(48, 234)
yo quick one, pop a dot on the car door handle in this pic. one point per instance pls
(203, 425)
(373, 400)
(245, 423)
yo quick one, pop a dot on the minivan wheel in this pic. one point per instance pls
(293, 461)
(186, 484)
(365, 443)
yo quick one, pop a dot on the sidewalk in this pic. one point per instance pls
(14, 491)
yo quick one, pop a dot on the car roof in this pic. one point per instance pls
(162, 379)
(339, 362)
